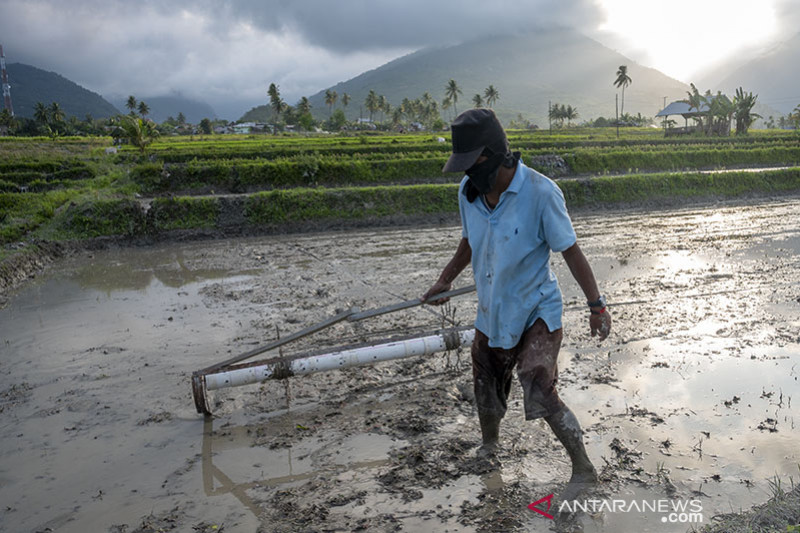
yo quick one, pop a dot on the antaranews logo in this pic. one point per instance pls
(672, 511)
(549, 500)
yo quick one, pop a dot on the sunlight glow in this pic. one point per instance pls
(683, 37)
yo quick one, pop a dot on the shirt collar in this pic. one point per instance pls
(517, 180)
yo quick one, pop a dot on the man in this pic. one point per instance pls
(511, 218)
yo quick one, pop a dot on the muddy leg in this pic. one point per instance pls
(568, 430)
(492, 371)
(490, 431)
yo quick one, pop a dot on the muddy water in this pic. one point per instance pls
(693, 396)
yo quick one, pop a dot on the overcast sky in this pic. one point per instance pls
(227, 52)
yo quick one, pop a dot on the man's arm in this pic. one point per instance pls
(450, 272)
(599, 323)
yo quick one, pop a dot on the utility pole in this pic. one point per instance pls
(6, 86)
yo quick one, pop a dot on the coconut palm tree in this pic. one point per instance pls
(330, 99)
(41, 113)
(140, 133)
(56, 114)
(623, 80)
(131, 104)
(144, 109)
(304, 105)
(477, 101)
(275, 101)
(397, 115)
(383, 106)
(372, 103)
(492, 95)
(451, 92)
(446, 103)
(345, 100)
(570, 113)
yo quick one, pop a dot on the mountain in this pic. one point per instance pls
(529, 70)
(30, 85)
(163, 107)
(773, 76)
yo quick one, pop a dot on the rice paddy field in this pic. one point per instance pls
(78, 188)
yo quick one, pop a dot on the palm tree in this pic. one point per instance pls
(345, 100)
(492, 95)
(451, 91)
(383, 105)
(275, 101)
(477, 101)
(140, 133)
(623, 80)
(56, 114)
(131, 104)
(304, 105)
(330, 100)
(553, 113)
(371, 102)
(446, 103)
(41, 113)
(144, 109)
(571, 113)
(397, 116)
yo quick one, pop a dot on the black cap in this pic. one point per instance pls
(473, 131)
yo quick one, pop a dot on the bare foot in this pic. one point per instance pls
(580, 482)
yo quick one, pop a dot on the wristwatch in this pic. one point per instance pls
(601, 302)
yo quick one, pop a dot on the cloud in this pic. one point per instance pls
(226, 53)
(386, 24)
(788, 14)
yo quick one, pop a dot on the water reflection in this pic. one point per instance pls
(135, 270)
(220, 469)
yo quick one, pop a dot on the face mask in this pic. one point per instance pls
(482, 176)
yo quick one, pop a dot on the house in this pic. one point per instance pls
(710, 117)
(244, 127)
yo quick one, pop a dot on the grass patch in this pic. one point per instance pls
(780, 514)
(182, 213)
(91, 218)
(649, 187)
(295, 205)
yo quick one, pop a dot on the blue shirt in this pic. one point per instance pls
(511, 255)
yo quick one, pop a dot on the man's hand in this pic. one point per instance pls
(438, 287)
(600, 324)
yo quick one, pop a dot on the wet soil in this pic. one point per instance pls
(689, 398)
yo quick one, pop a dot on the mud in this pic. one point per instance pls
(690, 397)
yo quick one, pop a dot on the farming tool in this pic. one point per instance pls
(234, 372)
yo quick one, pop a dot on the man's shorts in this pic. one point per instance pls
(535, 358)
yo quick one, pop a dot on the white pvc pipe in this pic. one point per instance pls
(343, 359)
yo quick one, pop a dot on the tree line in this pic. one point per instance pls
(417, 113)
